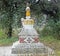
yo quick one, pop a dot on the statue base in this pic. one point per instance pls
(31, 48)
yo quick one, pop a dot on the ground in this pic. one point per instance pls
(5, 51)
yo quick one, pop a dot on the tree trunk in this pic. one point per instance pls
(10, 32)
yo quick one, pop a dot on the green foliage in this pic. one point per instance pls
(2, 34)
(7, 41)
(52, 29)
(11, 12)
(52, 43)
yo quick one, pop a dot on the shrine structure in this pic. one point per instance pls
(28, 43)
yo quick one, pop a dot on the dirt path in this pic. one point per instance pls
(5, 51)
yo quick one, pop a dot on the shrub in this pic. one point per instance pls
(2, 34)
(52, 29)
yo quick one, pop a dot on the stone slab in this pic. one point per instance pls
(23, 48)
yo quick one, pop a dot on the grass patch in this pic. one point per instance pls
(2, 34)
(7, 41)
(51, 42)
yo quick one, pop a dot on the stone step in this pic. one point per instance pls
(23, 48)
(30, 54)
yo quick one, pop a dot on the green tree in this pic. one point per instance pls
(52, 10)
(9, 8)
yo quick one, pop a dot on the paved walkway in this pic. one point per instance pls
(5, 51)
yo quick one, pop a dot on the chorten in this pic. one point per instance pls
(28, 42)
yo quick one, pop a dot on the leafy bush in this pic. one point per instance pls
(52, 29)
(8, 41)
(2, 34)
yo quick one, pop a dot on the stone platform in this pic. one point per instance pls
(28, 48)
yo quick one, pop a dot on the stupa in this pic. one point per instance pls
(28, 43)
